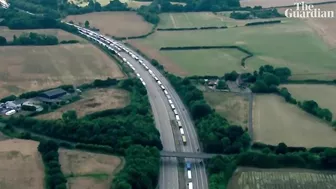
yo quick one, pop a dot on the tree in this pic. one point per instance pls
(200, 109)
(259, 87)
(87, 24)
(3, 40)
(222, 85)
(281, 148)
(270, 79)
(69, 115)
(231, 76)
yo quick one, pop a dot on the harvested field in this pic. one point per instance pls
(322, 94)
(21, 165)
(264, 41)
(255, 178)
(119, 24)
(276, 121)
(62, 35)
(233, 107)
(93, 101)
(87, 170)
(24, 68)
(276, 3)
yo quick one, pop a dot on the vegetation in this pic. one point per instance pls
(116, 128)
(256, 12)
(141, 162)
(54, 177)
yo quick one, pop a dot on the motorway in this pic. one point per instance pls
(199, 177)
(162, 116)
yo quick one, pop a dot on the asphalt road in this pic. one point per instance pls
(160, 108)
(199, 177)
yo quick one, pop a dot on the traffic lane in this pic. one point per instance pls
(168, 174)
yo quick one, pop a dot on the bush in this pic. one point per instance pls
(28, 108)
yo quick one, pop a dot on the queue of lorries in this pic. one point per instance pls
(117, 48)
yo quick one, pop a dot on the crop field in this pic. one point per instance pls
(233, 107)
(24, 68)
(21, 165)
(275, 3)
(322, 94)
(61, 35)
(275, 121)
(119, 24)
(85, 170)
(254, 178)
(92, 101)
(292, 43)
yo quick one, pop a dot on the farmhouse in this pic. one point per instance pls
(52, 96)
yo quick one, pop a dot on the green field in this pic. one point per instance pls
(322, 94)
(292, 44)
(199, 19)
(213, 61)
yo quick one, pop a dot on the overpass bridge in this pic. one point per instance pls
(187, 155)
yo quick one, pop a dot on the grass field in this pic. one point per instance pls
(275, 3)
(21, 165)
(61, 35)
(254, 178)
(276, 121)
(199, 19)
(93, 101)
(24, 68)
(120, 24)
(233, 107)
(85, 170)
(214, 61)
(322, 94)
(293, 44)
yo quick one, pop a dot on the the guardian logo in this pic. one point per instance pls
(304, 10)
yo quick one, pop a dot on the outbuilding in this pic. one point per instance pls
(54, 93)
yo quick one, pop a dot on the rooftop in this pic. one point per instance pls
(54, 92)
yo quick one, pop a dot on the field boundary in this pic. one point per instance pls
(193, 28)
(241, 49)
(219, 27)
(139, 36)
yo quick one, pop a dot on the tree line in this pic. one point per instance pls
(57, 9)
(117, 128)
(32, 38)
(54, 177)
(256, 12)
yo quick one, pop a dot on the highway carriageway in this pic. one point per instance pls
(187, 155)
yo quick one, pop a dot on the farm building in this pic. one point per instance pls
(52, 96)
